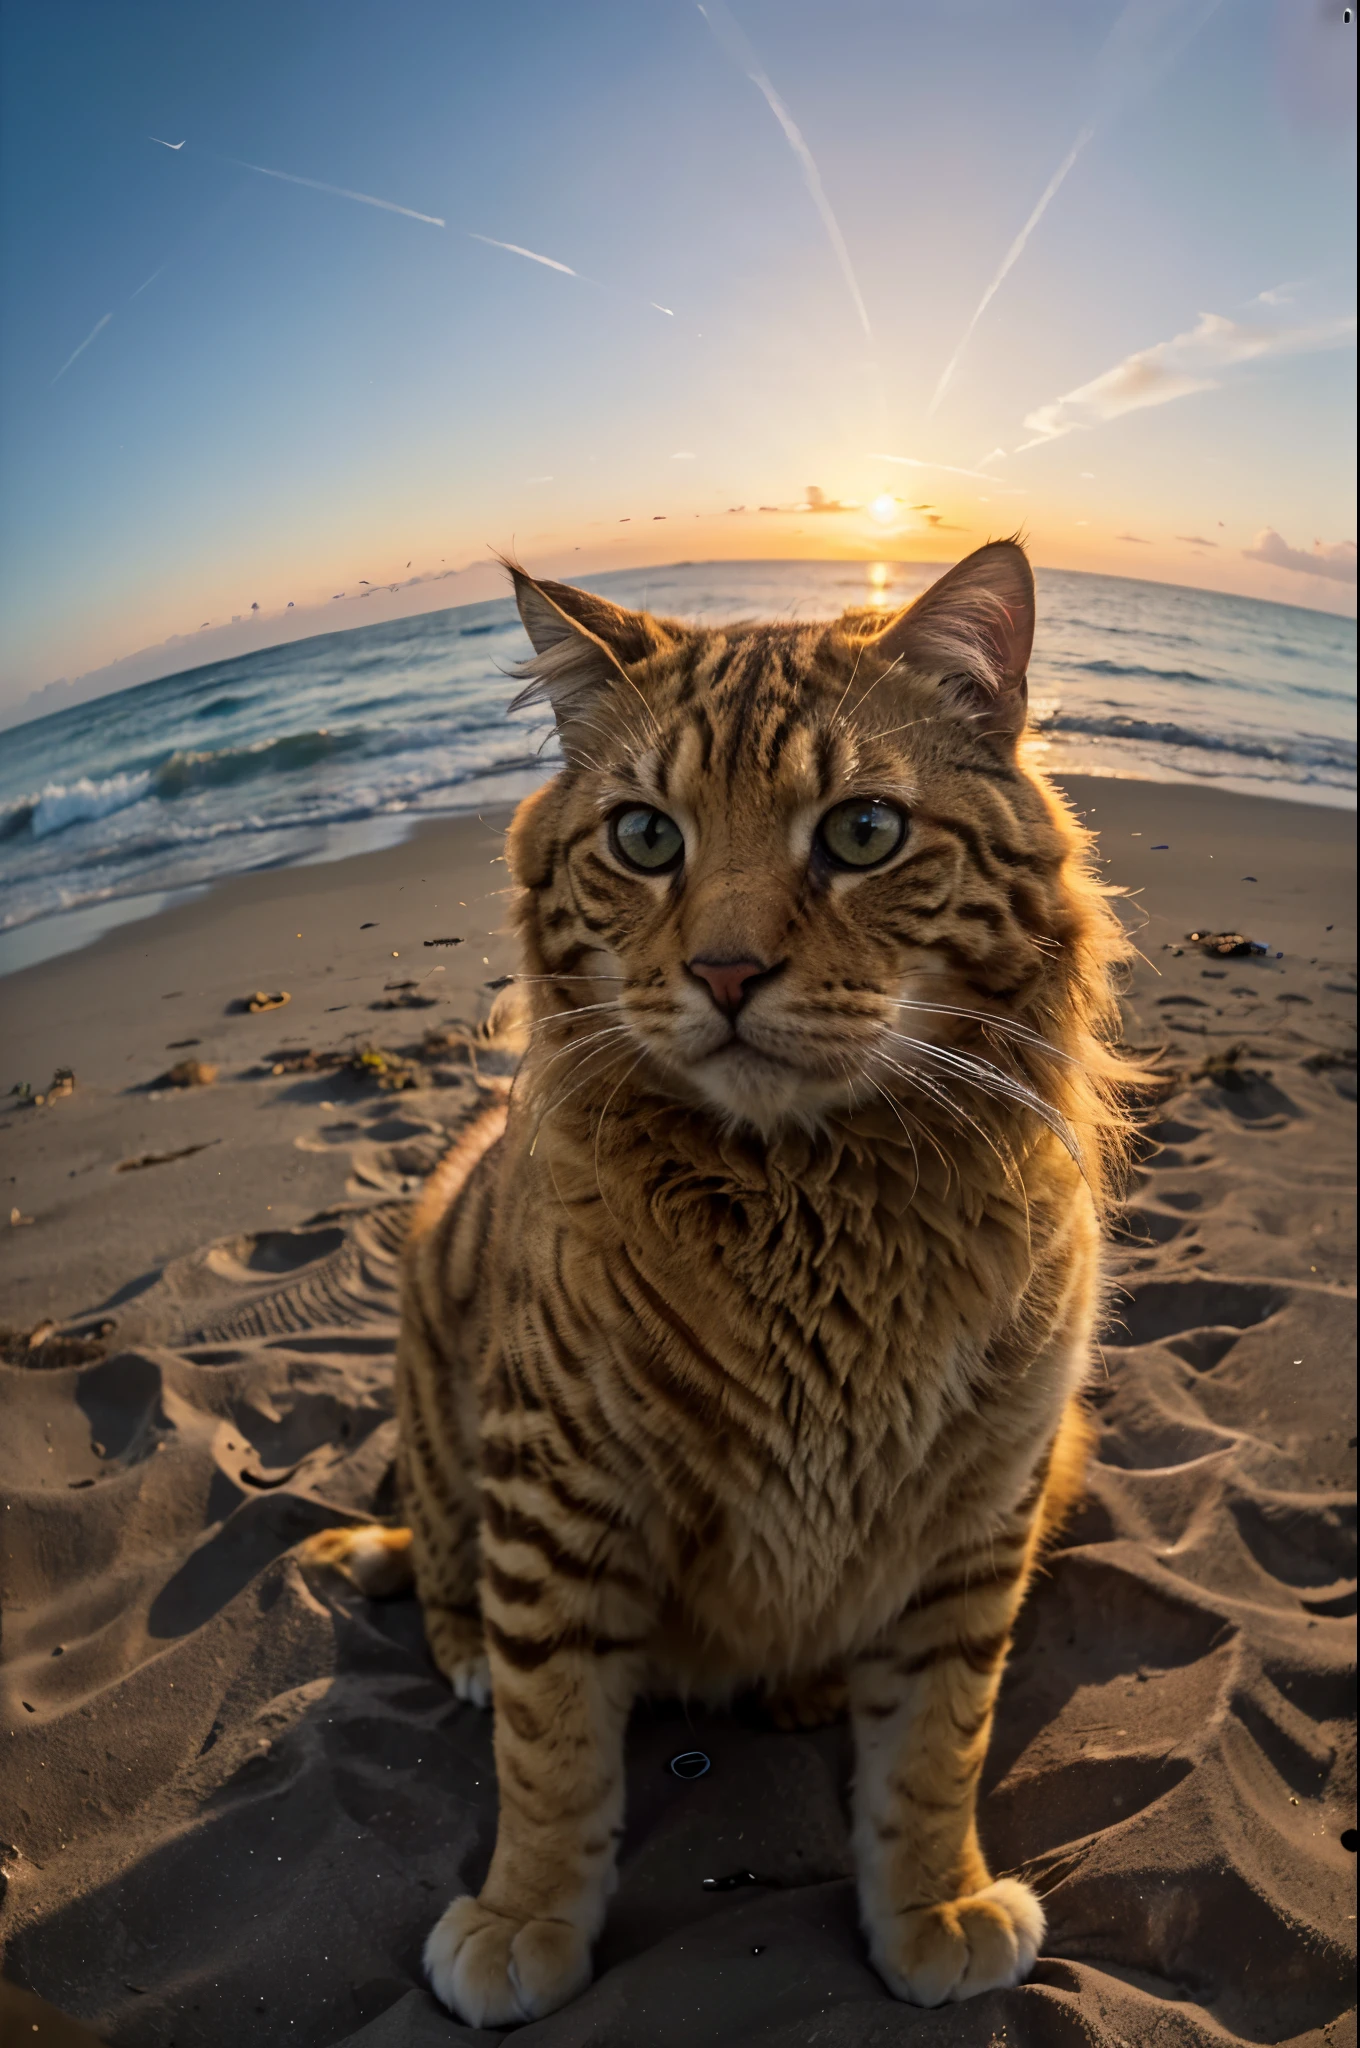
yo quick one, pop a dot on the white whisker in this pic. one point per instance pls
(1007, 1026)
(996, 1082)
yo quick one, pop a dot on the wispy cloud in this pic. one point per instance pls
(550, 262)
(1137, 539)
(342, 192)
(1196, 540)
(1335, 561)
(1177, 368)
(733, 39)
(1147, 37)
(98, 328)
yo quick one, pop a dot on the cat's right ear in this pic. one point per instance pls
(583, 649)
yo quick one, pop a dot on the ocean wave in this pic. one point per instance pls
(1156, 675)
(216, 768)
(250, 762)
(1297, 750)
(430, 782)
(176, 853)
(60, 804)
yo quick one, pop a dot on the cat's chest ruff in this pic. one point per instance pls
(837, 1243)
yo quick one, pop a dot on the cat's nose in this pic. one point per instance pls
(728, 981)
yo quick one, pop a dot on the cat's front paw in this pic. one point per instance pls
(471, 1681)
(493, 1971)
(984, 1942)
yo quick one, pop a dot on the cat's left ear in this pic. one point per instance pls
(973, 632)
(583, 646)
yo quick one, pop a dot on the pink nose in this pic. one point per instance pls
(727, 980)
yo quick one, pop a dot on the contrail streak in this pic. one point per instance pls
(1009, 261)
(915, 462)
(515, 250)
(551, 263)
(733, 40)
(1146, 39)
(433, 220)
(98, 328)
(338, 191)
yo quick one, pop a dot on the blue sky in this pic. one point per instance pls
(293, 390)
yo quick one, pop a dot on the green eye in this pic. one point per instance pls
(862, 832)
(647, 839)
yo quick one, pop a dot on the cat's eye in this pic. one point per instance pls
(647, 839)
(862, 832)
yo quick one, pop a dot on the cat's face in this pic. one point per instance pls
(770, 845)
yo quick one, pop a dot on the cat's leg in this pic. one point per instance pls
(443, 1313)
(563, 1688)
(438, 1490)
(921, 1701)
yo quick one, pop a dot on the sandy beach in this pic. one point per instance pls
(234, 1795)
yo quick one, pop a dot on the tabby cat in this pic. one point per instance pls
(745, 1344)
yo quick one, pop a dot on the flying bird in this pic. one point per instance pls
(164, 144)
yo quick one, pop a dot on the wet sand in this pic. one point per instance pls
(234, 1796)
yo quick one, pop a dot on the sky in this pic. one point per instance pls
(306, 299)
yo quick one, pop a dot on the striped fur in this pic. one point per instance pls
(732, 1363)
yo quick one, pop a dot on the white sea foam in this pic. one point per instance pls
(61, 804)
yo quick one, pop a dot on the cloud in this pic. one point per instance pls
(1279, 294)
(1336, 562)
(1196, 540)
(1136, 538)
(1176, 369)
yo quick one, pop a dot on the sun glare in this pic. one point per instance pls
(884, 509)
(878, 583)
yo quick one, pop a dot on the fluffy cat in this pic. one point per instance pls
(745, 1345)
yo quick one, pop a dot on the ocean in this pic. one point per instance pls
(338, 744)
